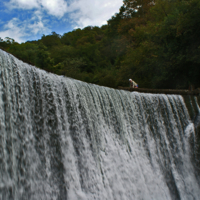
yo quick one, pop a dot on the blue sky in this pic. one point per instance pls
(25, 20)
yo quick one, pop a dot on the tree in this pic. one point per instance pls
(51, 40)
(132, 8)
(44, 61)
(9, 40)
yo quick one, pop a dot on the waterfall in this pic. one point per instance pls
(62, 139)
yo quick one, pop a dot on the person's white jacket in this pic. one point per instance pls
(132, 83)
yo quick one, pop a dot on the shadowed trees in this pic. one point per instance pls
(154, 42)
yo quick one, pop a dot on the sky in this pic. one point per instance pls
(26, 20)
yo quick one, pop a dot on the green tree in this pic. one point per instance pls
(26, 52)
(51, 40)
(44, 61)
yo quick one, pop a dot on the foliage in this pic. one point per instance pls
(156, 43)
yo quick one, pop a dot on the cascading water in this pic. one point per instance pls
(65, 139)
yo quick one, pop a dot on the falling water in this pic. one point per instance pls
(65, 139)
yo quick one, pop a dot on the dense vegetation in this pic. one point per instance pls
(154, 42)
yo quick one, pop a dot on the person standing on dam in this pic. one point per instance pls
(133, 84)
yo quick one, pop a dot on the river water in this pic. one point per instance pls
(61, 138)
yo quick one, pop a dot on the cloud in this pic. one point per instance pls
(29, 18)
(36, 24)
(19, 30)
(11, 28)
(23, 4)
(81, 12)
(53, 7)
(93, 12)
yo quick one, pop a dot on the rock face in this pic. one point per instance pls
(192, 103)
(193, 106)
(195, 92)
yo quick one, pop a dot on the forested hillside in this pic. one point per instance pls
(154, 42)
